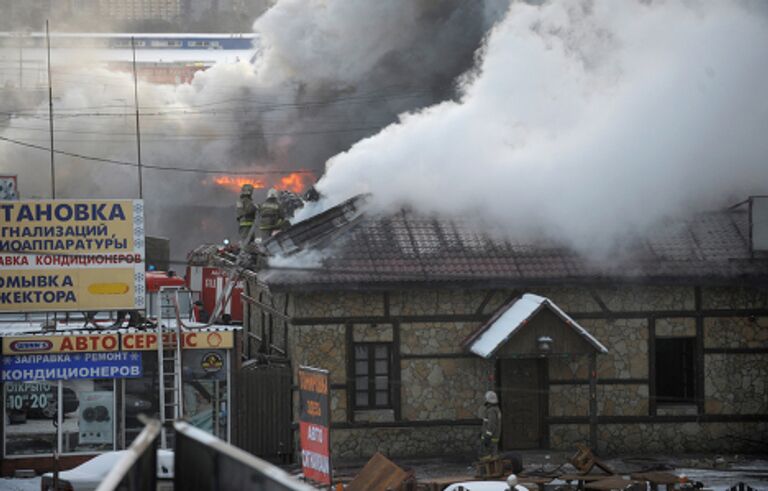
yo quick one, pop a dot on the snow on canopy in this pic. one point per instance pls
(514, 317)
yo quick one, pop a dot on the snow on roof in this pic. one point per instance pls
(516, 315)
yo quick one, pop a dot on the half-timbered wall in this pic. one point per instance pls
(436, 389)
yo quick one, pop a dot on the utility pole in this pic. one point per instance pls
(136, 103)
(50, 109)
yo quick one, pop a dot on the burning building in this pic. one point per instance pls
(416, 317)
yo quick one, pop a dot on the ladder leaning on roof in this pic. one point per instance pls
(169, 366)
(232, 277)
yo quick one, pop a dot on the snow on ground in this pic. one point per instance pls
(751, 471)
(10, 484)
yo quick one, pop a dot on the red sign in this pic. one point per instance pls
(315, 424)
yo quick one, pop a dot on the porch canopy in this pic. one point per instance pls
(531, 325)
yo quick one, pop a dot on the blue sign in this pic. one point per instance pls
(28, 368)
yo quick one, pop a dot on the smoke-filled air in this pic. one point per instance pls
(322, 75)
(585, 121)
(581, 120)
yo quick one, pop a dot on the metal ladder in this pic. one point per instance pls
(169, 365)
(232, 277)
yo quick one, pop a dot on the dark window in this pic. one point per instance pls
(675, 370)
(372, 370)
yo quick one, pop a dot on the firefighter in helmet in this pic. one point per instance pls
(491, 430)
(246, 210)
(271, 216)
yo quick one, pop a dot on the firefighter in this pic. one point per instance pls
(491, 431)
(271, 217)
(201, 315)
(246, 210)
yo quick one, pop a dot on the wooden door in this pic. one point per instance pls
(522, 403)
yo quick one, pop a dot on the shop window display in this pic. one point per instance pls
(140, 396)
(30, 409)
(90, 425)
(86, 422)
(205, 390)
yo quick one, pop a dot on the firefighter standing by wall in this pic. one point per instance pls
(246, 211)
(271, 216)
(491, 431)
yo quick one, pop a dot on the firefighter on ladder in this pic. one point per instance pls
(491, 430)
(271, 217)
(246, 211)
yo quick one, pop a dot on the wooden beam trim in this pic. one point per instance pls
(699, 351)
(693, 418)
(601, 381)
(349, 337)
(396, 375)
(406, 424)
(735, 351)
(300, 321)
(593, 400)
(652, 366)
(427, 356)
(265, 307)
(485, 301)
(379, 319)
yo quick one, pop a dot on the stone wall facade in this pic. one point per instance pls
(437, 388)
(422, 338)
(688, 437)
(627, 343)
(736, 332)
(448, 389)
(622, 400)
(404, 441)
(569, 400)
(736, 384)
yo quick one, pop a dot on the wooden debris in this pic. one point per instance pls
(379, 474)
(584, 460)
(490, 468)
(657, 478)
(613, 482)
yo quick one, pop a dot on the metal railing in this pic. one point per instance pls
(137, 470)
(203, 462)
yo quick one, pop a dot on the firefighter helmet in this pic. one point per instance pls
(491, 397)
(246, 189)
(272, 193)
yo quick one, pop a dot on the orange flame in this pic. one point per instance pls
(235, 183)
(295, 181)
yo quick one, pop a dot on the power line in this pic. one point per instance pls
(263, 106)
(237, 124)
(164, 138)
(155, 166)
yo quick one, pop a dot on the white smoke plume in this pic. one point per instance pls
(324, 74)
(585, 121)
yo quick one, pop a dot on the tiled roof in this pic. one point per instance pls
(362, 250)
